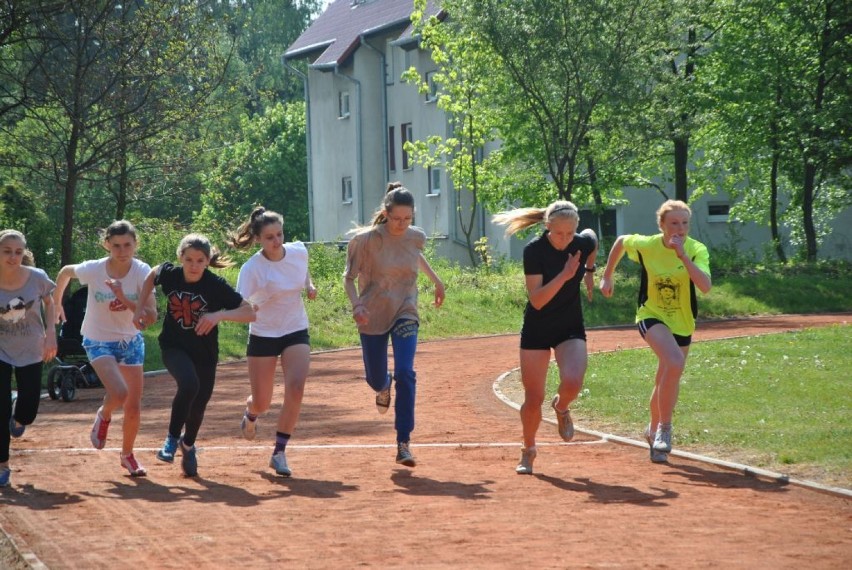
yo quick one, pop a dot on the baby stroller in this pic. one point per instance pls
(73, 369)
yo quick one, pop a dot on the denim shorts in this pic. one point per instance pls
(126, 352)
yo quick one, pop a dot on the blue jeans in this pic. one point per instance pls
(374, 348)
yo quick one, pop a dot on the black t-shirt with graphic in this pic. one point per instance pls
(186, 303)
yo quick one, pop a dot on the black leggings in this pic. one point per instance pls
(29, 395)
(195, 380)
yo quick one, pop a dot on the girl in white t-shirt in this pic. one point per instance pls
(272, 280)
(113, 344)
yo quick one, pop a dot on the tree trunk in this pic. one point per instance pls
(681, 158)
(773, 181)
(808, 209)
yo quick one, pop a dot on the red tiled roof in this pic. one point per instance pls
(337, 32)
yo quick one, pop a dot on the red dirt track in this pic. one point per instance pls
(591, 504)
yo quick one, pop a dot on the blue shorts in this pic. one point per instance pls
(126, 352)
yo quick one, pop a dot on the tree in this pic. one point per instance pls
(114, 75)
(567, 62)
(778, 79)
(267, 166)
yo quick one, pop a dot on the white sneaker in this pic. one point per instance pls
(663, 439)
(248, 427)
(278, 461)
(525, 467)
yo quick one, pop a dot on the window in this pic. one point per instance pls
(390, 59)
(432, 93)
(407, 134)
(391, 150)
(343, 104)
(407, 60)
(603, 224)
(434, 181)
(718, 212)
(346, 187)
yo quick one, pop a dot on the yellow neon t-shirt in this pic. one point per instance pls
(666, 292)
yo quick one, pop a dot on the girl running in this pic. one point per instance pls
(272, 280)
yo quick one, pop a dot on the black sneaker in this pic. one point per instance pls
(403, 455)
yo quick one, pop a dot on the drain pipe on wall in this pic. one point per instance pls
(359, 153)
(382, 73)
(304, 79)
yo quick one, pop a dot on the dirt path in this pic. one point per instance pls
(591, 504)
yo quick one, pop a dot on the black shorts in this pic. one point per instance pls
(273, 346)
(645, 324)
(545, 338)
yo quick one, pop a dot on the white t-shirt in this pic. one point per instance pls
(275, 287)
(108, 319)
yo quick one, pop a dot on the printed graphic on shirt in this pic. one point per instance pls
(12, 317)
(668, 294)
(186, 308)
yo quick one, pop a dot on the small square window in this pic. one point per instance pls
(346, 188)
(432, 93)
(434, 181)
(407, 134)
(718, 212)
(343, 104)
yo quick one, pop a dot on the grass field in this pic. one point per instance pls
(781, 402)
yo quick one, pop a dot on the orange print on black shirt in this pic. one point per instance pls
(186, 308)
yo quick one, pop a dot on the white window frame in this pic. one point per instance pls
(406, 131)
(343, 105)
(434, 180)
(346, 189)
(432, 93)
(718, 217)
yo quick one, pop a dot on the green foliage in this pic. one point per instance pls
(266, 166)
(772, 401)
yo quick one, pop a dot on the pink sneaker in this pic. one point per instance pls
(99, 431)
(129, 462)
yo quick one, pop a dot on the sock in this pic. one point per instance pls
(281, 440)
(665, 426)
(251, 417)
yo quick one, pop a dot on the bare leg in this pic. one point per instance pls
(134, 379)
(295, 362)
(534, 364)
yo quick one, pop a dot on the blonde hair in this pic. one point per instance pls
(27, 259)
(250, 230)
(202, 244)
(671, 206)
(522, 218)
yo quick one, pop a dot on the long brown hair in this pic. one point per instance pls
(395, 195)
(202, 244)
(249, 231)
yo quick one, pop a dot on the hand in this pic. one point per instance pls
(207, 323)
(571, 265)
(60, 312)
(312, 293)
(361, 315)
(606, 286)
(49, 352)
(676, 242)
(439, 294)
(114, 286)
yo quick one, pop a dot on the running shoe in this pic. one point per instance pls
(663, 439)
(383, 398)
(188, 463)
(129, 462)
(563, 421)
(656, 456)
(278, 461)
(15, 429)
(248, 426)
(403, 455)
(5, 475)
(99, 431)
(167, 453)
(525, 467)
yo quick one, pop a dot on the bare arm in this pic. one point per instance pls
(424, 266)
(615, 255)
(242, 314)
(145, 312)
(62, 279)
(589, 276)
(309, 287)
(49, 328)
